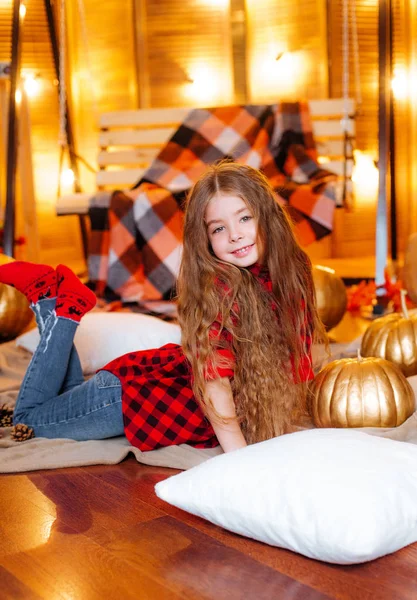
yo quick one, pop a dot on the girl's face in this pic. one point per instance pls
(232, 230)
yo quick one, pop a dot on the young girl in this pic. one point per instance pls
(247, 312)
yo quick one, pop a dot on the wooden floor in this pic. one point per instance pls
(101, 533)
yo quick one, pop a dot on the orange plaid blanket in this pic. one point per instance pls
(136, 236)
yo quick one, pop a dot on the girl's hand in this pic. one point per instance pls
(227, 431)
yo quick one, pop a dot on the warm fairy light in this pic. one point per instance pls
(365, 178)
(31, 85)
(67, 178)
(322, 160)
(22, 11)
(18, 96)
(290, 65)
(204, 84)
(399, 86)
(277, 72)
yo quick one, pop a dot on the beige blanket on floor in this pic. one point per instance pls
(42, 453)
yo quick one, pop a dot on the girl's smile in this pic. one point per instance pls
(243, 251)
(232, 230)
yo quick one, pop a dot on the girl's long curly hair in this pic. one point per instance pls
(267, 330)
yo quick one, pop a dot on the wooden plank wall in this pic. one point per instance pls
(37, 59)
(355, 231)
(101, 55)
(299, 30)
(189, 53)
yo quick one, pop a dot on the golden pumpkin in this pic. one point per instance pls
(331, 296)
(394, 337)
(15, 313)
(361, 392)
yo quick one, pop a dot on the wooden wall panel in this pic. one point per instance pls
(238, 22)
(299, 30)
(189, 53)
(101, 55)
(37, 59)
(361, 223)
(367, 23)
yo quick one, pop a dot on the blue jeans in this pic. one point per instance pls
(54, 399)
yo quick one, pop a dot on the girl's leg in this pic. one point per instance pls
(47, 369)
(91, 410)
(74, 375)
(42, 310)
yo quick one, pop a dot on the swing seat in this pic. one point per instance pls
(130, 140)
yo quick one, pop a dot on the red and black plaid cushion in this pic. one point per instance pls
(159, 408)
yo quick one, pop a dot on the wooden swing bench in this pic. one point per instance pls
(130, 140)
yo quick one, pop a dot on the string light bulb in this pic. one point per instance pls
(365, 177)
(22, 11)
(399, 86)
(322, 160)
(203, 84)
(31, 85)
(67, 178)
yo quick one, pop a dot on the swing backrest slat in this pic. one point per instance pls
(130, 140)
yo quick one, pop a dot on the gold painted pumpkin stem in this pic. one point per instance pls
(404, 303)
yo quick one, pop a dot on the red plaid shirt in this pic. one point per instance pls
(159, 408)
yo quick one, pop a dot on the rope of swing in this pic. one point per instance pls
(62, 134)
(349, 14)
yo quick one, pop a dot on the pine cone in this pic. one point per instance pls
(6, 416)
(21, 433)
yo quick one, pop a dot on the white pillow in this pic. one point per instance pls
(102, 336)
(340, 496)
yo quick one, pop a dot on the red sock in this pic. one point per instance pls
(74, 298)
(35, 281)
